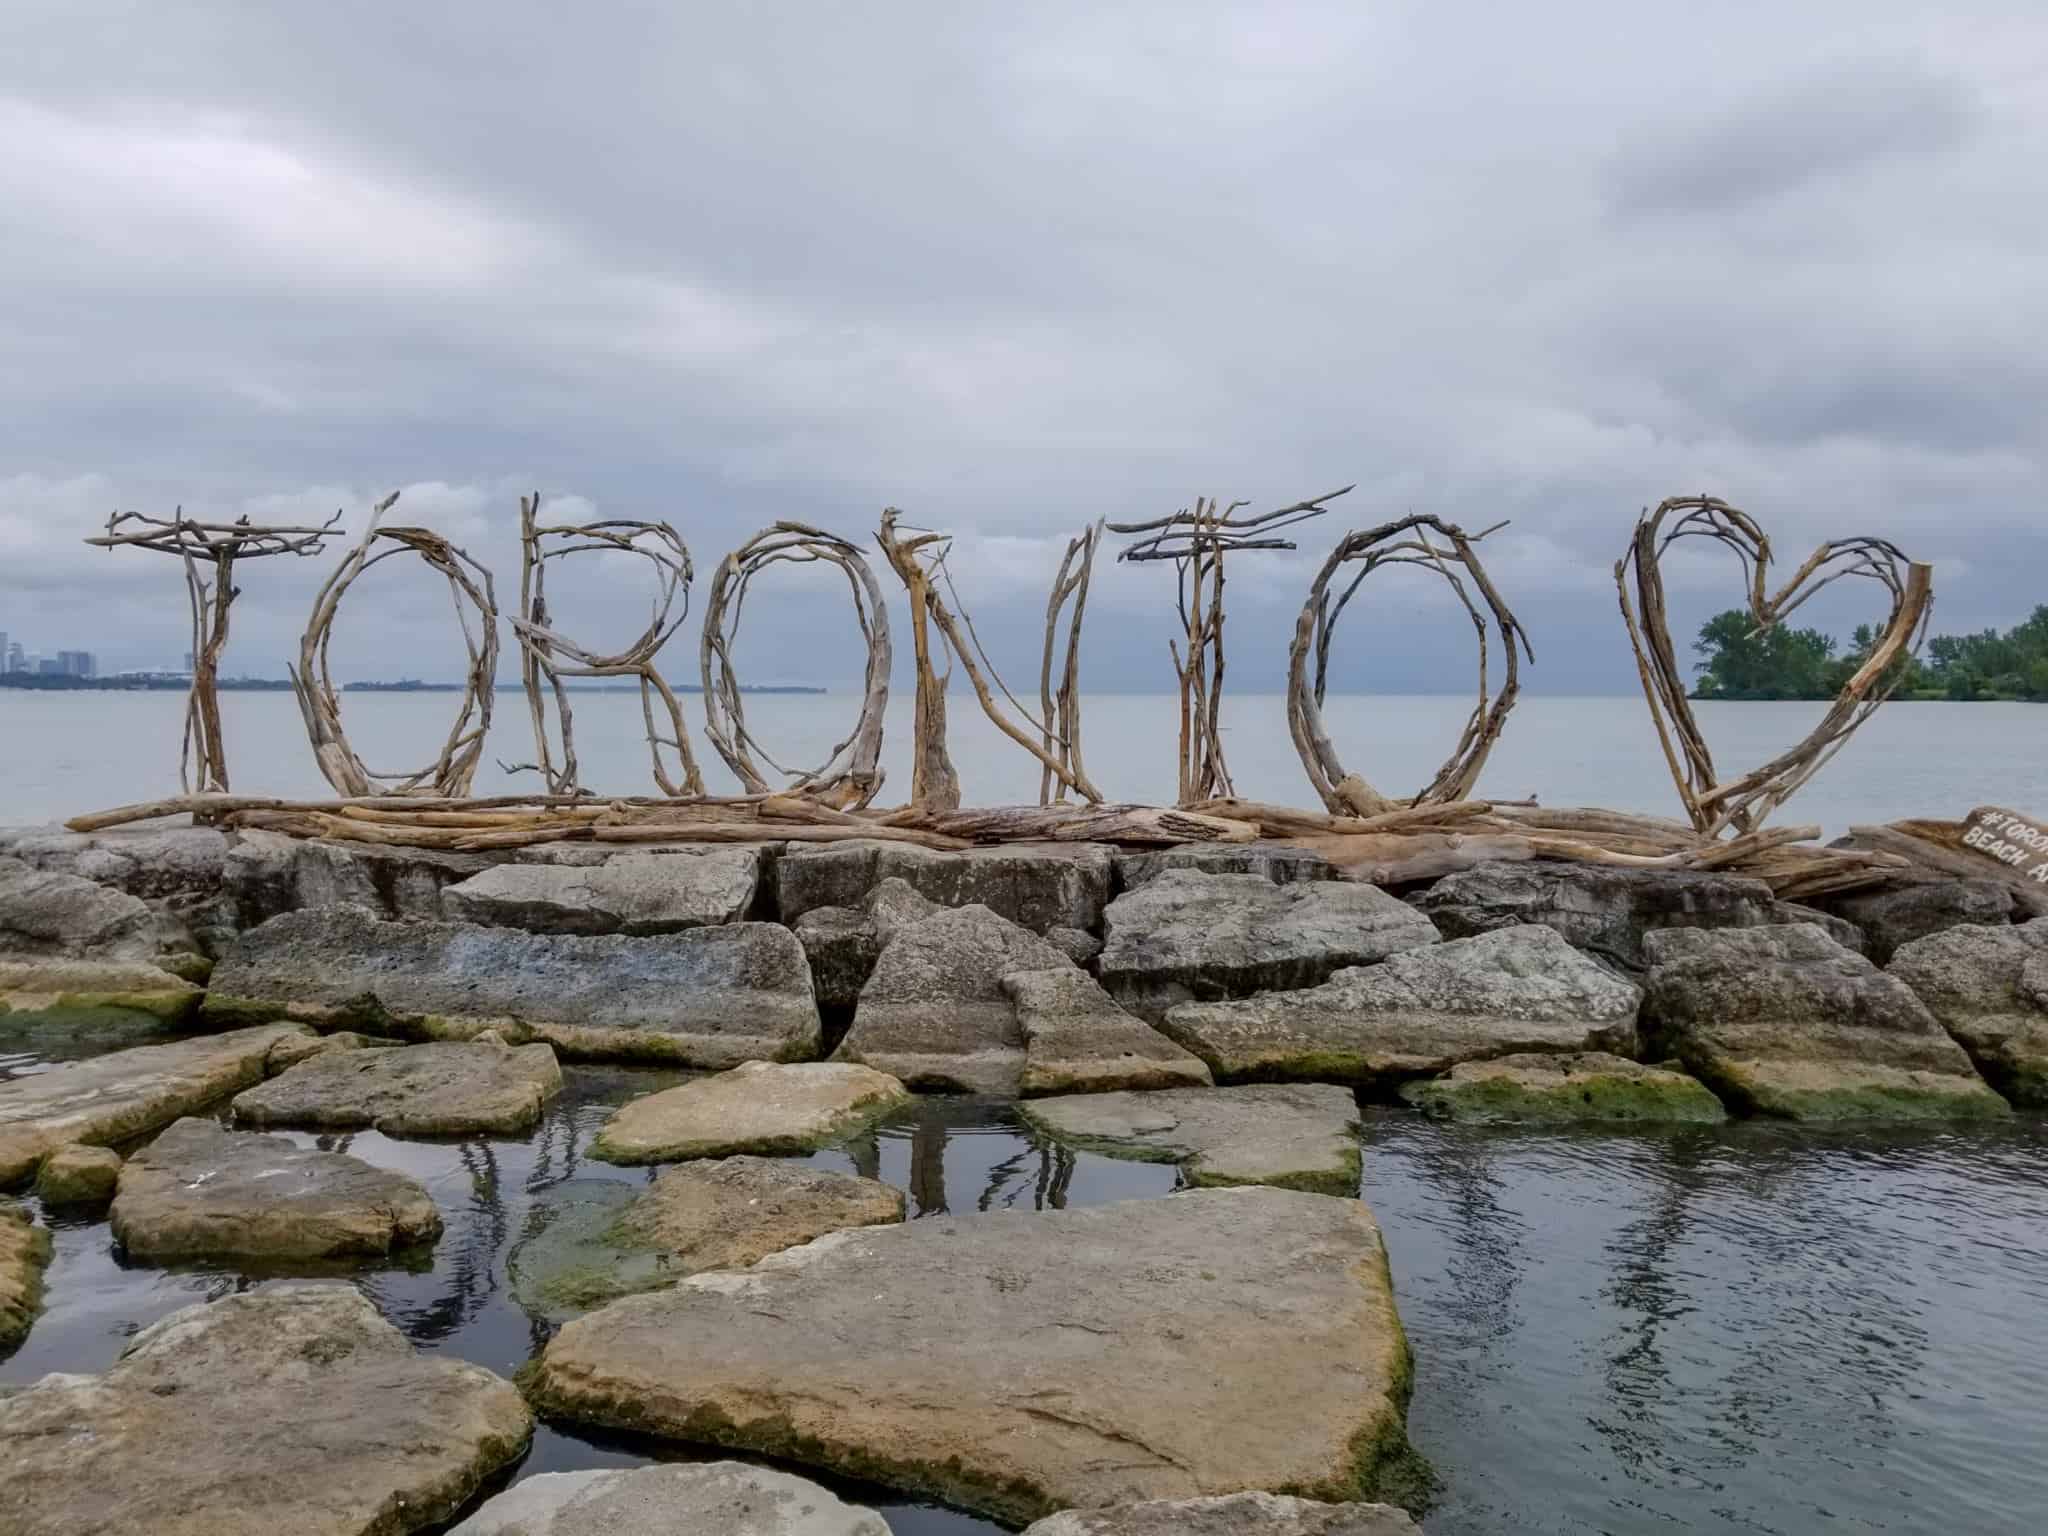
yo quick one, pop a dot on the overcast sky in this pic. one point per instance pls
(1011, 269)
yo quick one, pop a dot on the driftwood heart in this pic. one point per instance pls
(1742, 804)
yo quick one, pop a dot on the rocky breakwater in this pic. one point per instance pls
(1196, 1345)
(1988, 987)
(296, 1408)
(70, 945)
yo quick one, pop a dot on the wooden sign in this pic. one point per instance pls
(2018, 842)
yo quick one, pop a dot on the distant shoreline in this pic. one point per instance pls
(32, 683)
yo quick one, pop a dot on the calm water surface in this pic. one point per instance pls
(1749, 1329)
(65, 753)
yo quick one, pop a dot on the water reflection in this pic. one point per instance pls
(1722, 1329)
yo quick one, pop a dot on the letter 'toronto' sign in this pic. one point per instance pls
(2018, 842)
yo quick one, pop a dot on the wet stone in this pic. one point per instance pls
(1236, 1514)
(1022, 1363)
(65, 990)
(1581, 1086)
(78, 1176)
(1294, 1135)
(595, 1240)
(1186, 935)
(451, 1088)
(1419, 1012)
(1078, 1041)
(198, 1191)
(24, 1254)
(1784, 1021)
(292, 1409)
(127, 1094)
(763, 1107)
(717, 1498)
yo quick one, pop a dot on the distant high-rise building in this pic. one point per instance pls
(3, 650)
(49, 666)
(15, 660)
(75, 663)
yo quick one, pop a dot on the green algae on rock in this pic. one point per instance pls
(1290, 1135)
(1580, 1086)
(24, 1254)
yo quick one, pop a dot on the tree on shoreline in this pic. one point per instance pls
(1739, 662)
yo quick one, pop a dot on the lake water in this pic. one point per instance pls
(65, 753)
(1733, 1330)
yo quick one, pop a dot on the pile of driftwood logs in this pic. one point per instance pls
(1372, 836)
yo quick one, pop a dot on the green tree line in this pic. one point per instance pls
(1737, 662)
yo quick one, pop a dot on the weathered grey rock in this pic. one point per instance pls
(1185, 936)
(1235, 1514)
(1606, 909)
(842, 947)
(267, 873)
(1019, 1364)
(1988, 987)
(70, 987)
(1076, 1040)
(761, 1106)
(444, 1088)
(1784, 1021)
(45, 914)
(24, 1255)
(1582, 1086)
(77, 1175)
(292, 1409)
(596, 1240)
(127, 1094)
(199, 1192)
(630, 893)
(147, 861)
(707, 997)
(1891, 919)
(1077, 945)
(1277, 862)
(1294, 1135)
(895, 904)
(934, 1013)
(1421, 1011)
(714, 1498)
(1035, 885)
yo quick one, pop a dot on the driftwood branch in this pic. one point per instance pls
(1406, 542)
(209, 552)
(1742, 804)
(547, 656)
(471, 591)
(852, 774)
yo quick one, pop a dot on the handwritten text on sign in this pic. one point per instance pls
(2011, 839)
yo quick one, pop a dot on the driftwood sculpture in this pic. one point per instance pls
(1196, 541)
(919, 561)
(1741, 805)
(850, 777)
(548, 655)
(1061, 712)
(469, 588)
(1343, 791)
(209, 551)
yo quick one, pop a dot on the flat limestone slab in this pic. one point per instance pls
(715, 1498)
(78, 1175)
(934, 1013)
(1582, 1086)
(293, 1409)
(635, 893)
(71, 986)
(1420, 1011)
(707, 997)
(130, 1093)
(1185, 935)
(1295, 1135)
(24, 1255)
(1076, 1040)
(767, 1107)
(1988, 987)
(1237, 1514)
(1783, 1021)
(1019, 1364)
(198, 1192)
(599, 1239)
(444, 1088)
